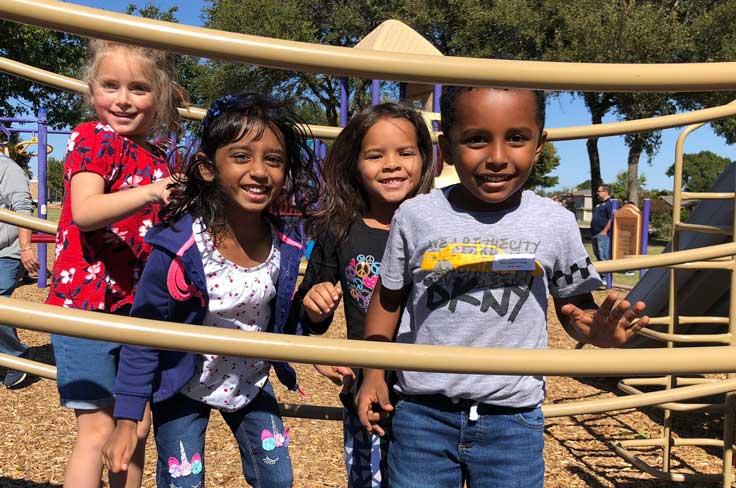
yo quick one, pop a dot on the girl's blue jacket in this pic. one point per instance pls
(173, 288)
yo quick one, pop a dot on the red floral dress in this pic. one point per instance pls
(99, 270)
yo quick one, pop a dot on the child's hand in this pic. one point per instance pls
(340, 375)
(611, 325)
(159, 193)
(119, 447)
(321, 301)
(373, 392)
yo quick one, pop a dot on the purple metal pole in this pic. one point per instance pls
(18, 121)
(375, 92)
(645, 232)
(609, 276)
(436, 96)
(344, 100)
(42, 192)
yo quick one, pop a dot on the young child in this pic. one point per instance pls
(475, 263)
(382, 157)
(114, 181)
(220, 260)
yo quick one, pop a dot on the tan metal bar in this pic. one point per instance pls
(327, 132)
(27, 221)
(705, 229)
(71, 84)
(714, 264)
(663, 475)
(35, 368)
(692, 195)
(639, 400)
(666, 259)
(632, 263)
(360, 63)
(661, 381)
(335, 413)
(166, 335)
(687, 338)
(676, 406)
(689, 319)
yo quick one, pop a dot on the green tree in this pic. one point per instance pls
(620, 188)
(632, 31)
(548, 161)
(55, 179)
(700, 170)
(46, 49)
(332, 22)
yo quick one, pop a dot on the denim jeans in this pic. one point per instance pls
(602, 247)
(180, 424)
(442, 447)
(9, 342)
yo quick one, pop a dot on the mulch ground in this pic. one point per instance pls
(36, 435)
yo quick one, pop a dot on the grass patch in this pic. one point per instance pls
(654, 247)
(53, 213)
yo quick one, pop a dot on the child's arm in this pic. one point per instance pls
(119, 448)
(317, 299)
(609, 325)
(138, 365)
(380, 325)
(94, 209)
(319, 294)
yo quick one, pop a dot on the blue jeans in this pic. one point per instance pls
(602, 247)
(9, 342)
(440, 446)
(180, 424)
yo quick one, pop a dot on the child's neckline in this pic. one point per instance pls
(490, 208)
(380, 227)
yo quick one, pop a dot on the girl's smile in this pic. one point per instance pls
(252, 170)
(122, 95)
(389, 163)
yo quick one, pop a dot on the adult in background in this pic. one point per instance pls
(600, 226)
(15, 250)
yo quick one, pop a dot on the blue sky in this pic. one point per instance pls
(562, 111)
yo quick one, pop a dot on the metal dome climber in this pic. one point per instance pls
(23, 146)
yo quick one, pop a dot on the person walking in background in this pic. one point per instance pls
(15, 250)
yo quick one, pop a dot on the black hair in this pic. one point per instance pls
(228, 119)
(344, 198)
(450, 95)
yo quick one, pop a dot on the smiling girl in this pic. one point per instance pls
(114, 181)
(220, 259)
(381, 158)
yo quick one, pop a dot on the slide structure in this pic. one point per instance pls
(699, 292)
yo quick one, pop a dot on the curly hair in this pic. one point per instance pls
(160, 70)
(228, 120)
(344, 197)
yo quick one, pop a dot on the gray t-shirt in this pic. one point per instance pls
(481, 279)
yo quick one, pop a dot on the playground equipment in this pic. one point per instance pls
(23, 146)
(40, 134)
(425, 69)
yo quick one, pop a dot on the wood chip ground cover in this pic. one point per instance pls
(36, 435)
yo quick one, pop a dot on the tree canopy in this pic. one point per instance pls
(700, 170)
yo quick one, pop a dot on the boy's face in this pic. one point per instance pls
(494, 143)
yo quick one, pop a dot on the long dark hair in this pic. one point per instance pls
(228, 119)
(344, 198)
